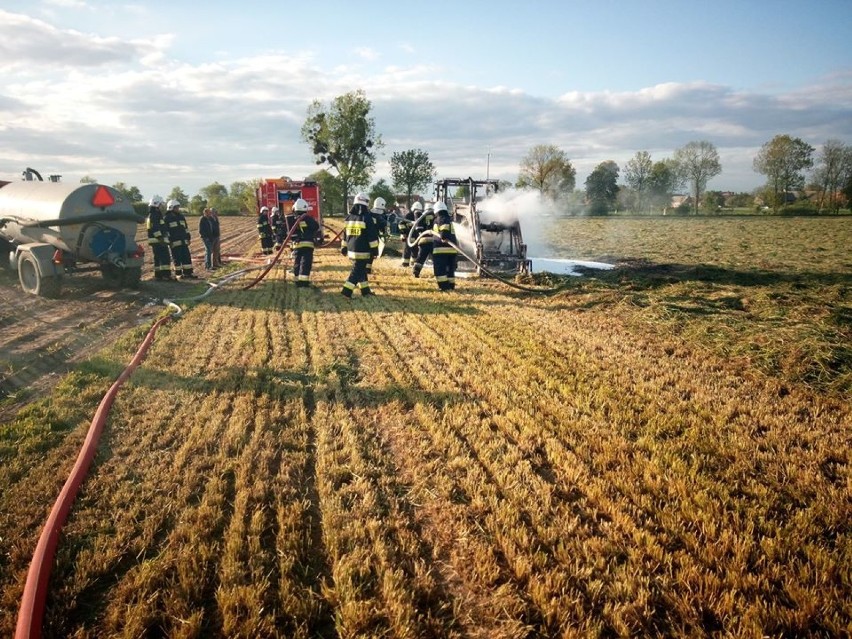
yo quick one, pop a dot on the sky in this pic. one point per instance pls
(160, 94)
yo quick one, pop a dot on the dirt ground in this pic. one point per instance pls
(41, 338)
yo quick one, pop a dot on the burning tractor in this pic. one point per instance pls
(495, 241)
(48, 229)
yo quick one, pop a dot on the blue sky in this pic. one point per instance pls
(162, 94)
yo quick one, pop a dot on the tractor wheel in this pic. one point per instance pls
(132, 276)
(31, 280)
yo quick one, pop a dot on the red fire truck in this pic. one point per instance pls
(283, 193)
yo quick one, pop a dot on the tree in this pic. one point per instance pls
(663, 181)
(215, 195)
(197, 203)
(130, 192)
(602, 187)
(243, 196)
(547, 169)
(782, 160)
(383, 190)
(88, 180)
(697, 163)
(178, 194)
(637, 174)
(411, 171)
(331, 191)
(834, 167)
(343, 136)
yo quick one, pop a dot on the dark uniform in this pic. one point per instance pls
(279, 229)
(424, 244)
(264, 231)
(304, 237)
(380, 224)
(444, 256)
(404, 225)
(358, 244)
(158, 240)
(179, 243)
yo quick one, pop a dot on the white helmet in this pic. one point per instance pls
(429, 207)
(362, 198)
(156, 201)
(172, 204)
(264, 209)
(274, 210)
(301, 205)
(379, 203)
(417, 206)
(441, 207)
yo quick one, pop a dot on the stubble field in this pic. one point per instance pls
(658, 450)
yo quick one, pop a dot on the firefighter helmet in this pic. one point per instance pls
(274, 210)
(379, 204)
(264, 209)
(156, 201)
(172, 204)
(429, 207)
(417, 206)
(440, 207)
(301, 206)
(362, 198)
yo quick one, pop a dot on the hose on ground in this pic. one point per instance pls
(31, 612)
(277, 255)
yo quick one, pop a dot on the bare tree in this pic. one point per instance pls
(637, 174)
(834, 166)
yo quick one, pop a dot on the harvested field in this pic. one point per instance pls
(661, 450)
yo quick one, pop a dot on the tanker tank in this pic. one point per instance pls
(50, 229)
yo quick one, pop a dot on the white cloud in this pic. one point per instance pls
(367, 53)
(130, 111)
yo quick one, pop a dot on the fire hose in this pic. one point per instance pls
(277, 256)
(31, 612)
(33, 600)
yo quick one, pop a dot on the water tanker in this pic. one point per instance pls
(50, 229)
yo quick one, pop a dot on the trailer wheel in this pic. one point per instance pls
(31, 280)
(5, 251)
(132, 276)
(118, 277)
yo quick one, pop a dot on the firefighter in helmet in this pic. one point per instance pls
(179, 238)
(158, 239)
(359, 244)
(304, 236)
(381, 223)
(279, 230)
(424, 240)
(405, 224)
(444, 255)
(264, 231)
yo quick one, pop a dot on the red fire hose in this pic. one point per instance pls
(275, 259)
(31, 613)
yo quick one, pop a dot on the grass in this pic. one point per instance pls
(661, 450)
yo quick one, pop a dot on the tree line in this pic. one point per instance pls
(343, 139)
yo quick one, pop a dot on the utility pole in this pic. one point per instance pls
(488, 163)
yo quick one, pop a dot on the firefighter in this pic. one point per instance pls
(264, 231)
(444, 256)
(424, 240)
(279, 230)
(179, 238)
(405, 224)
(158, 239)
(357, 244)
(381, 224)
(304, 238)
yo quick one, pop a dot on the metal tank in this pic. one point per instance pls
(51, 228)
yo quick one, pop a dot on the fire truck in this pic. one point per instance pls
(283, 193)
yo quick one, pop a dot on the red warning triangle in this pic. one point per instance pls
(103, 197)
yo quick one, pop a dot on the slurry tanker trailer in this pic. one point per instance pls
(50, 229)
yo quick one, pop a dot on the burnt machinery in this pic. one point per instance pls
(492, 237)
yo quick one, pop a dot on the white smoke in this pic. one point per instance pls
(534, 212)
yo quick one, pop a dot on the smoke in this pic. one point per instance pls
(534, 212)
